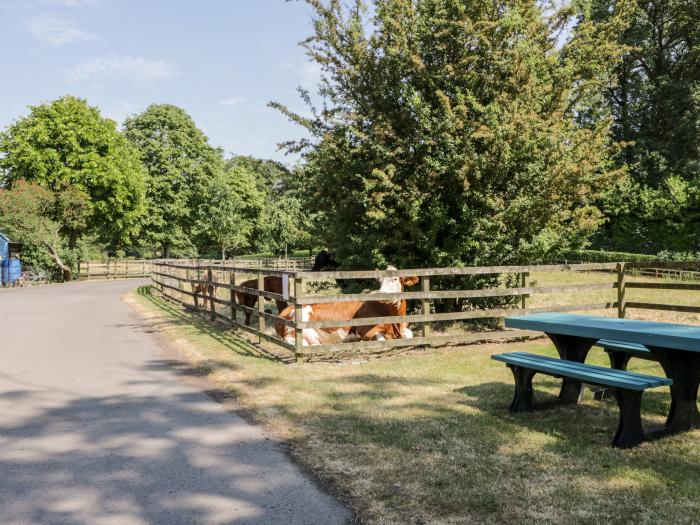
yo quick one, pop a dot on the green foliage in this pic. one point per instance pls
(656, 109)
(233, 204)
(284, 224)
(26, 214)
(455, 132)
(605, 256)
(180, 164)
(67, 147)
(669, 256)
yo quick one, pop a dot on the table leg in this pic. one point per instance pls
(576, 349)
(684, 368)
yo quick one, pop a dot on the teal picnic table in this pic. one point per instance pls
(676, 347)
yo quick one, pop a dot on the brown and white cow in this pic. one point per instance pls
(349, 310)
(271, 284)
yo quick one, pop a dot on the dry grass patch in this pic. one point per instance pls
(425, 437)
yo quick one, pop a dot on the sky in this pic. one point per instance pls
(222, 61)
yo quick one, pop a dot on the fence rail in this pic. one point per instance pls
(115, 269)
(198, 283)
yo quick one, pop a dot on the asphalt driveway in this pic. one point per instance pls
(97, 428)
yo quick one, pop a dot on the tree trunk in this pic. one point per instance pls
(223, 251)
(67, 273)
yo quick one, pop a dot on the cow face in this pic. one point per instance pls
(395, 284)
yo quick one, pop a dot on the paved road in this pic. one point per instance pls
(97, 428)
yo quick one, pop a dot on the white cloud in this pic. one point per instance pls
(232, 101)
(57, 31)
(136, 68)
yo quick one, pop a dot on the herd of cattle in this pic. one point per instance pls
(341, 311)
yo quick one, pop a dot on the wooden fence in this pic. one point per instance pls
(221, 280)
(135, 268)
(114, 269)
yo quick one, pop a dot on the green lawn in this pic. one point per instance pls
(426, 437)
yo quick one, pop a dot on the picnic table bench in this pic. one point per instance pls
(627, 387)
(675, 347)
(620, 352)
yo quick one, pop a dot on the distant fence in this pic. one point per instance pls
(139, 268)
(114, 269)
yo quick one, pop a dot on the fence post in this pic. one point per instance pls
(180, 282)
(212, 292)
(298, 318)
(524, 281)
(621, 306)
(425, 287)
(232, 282)
(87, 266)
(261, 304)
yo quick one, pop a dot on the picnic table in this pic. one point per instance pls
(676, 347)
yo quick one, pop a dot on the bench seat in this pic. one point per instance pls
(621, 352)
(627, 387)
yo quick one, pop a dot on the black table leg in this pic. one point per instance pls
(684, 368)
(523, 399)
(576, 349)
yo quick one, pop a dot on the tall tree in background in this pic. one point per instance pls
(656, 107)
(284, 223)
(180, 164)
(68, 148)
(457, 132)
(233, 206)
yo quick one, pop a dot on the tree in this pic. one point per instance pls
(457, 132)
(68, 148)
(180, 164)
(232, 206)
(26, 212)
(656, 110)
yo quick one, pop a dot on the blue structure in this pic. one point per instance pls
(4, 247)
(10, 265)
(11, 270)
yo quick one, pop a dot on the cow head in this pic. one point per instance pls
(395, 284)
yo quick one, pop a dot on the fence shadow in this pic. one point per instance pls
(204, 326)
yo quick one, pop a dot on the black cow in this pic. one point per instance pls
(325, 262)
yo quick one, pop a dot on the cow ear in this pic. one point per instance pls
(409, 281)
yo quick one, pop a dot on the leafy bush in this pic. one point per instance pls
(670, 256)
(605, 256)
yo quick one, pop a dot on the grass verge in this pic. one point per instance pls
(425, 437)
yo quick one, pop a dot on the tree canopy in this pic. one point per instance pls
(656, 109)
(458, 132)
(180, 164)
(67, 147)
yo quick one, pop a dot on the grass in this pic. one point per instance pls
(425, 437)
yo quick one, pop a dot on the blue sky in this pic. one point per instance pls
(220, 60)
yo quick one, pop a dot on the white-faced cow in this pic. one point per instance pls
(349, 310)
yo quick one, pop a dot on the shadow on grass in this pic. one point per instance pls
(429, 449)
(204, 326)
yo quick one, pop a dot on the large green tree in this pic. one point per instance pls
(180, 164)
(232, 209)
(67, 147)
(656, 109)
(456, 131)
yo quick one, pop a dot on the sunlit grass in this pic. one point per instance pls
(426, 437)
